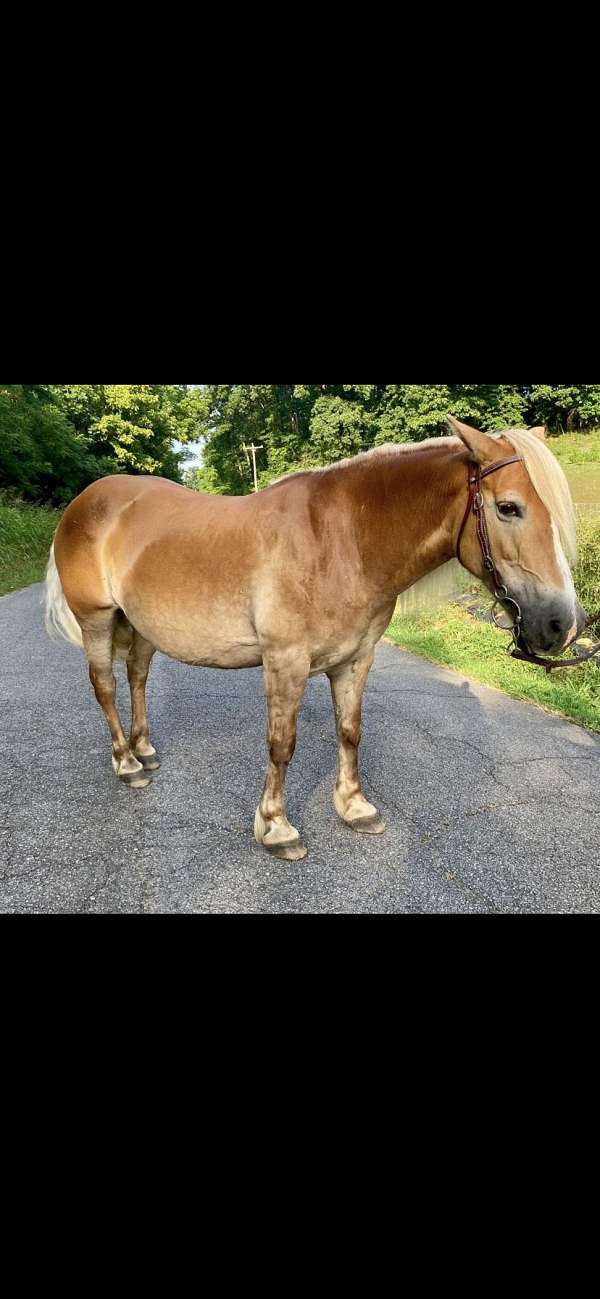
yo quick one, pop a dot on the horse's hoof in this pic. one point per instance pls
(287, 852)
(284, 839)
(367, 824)
(366, 819)
(136, 780)
(151, 763)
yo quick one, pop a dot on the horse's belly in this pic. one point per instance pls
(202, 639)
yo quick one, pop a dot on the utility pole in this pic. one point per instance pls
(253, 449)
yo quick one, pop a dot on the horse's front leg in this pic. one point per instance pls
(347, 686)
(286, 674)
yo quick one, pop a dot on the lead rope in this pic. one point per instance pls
(518, 649)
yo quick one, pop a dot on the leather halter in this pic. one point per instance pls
(519, 648)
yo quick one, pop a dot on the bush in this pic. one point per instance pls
(587, 573)
(26, 533)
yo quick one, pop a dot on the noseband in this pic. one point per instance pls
(519, 648)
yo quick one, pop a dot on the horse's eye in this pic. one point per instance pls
(509, 510)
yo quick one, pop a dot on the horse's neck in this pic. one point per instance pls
(408, 505)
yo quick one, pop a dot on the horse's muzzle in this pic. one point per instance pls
(552, 624)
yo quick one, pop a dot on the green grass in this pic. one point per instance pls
(587, 573)
(453, 637)
(477, 650)
(26, 533)
(576, 448)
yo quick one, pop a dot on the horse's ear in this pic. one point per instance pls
(482, 447)
(540, 431)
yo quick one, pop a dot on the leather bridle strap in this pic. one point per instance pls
(475, 503)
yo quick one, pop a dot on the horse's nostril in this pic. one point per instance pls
(556, 627)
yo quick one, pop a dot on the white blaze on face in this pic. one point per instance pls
(569, 587)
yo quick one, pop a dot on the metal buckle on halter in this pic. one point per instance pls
(477, 502)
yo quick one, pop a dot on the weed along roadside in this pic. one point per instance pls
(26, 533)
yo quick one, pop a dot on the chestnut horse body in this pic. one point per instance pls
(301, 578)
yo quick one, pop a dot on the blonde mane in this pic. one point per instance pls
(549, 482)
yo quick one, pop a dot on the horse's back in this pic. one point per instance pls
(215, 580)
(138, 509)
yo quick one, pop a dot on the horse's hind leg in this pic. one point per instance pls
(97, 630)
(347, 686)
(138, 666)
(286, 675)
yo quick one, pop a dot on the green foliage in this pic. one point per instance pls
(411, 412)
(57, 438)
(26, 533)
(41, 456)
(202, 479)
(339, 426)
(300, 426)
(563, 408)
(132, 425)
(587, 573)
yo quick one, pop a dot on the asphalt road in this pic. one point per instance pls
(491, 805)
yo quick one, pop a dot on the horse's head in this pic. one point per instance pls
(531, 526)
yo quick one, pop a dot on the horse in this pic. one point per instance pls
(303, 578)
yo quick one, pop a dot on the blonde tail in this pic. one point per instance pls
(60, 622)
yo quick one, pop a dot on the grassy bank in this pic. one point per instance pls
(576, 448)
(453, 637)
(26, 533)
(477, 650)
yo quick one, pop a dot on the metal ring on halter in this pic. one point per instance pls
(507, 600)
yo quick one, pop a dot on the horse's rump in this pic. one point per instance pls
(176, 565)
(61, 623)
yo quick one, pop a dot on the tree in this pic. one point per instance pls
(41, 455)
(565, 407)
(304, 425)
(57, 438)
(134, 425)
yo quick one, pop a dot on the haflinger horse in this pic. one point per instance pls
(303, 578)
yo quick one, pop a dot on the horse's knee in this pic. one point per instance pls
(350, 733)
(281, 749)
